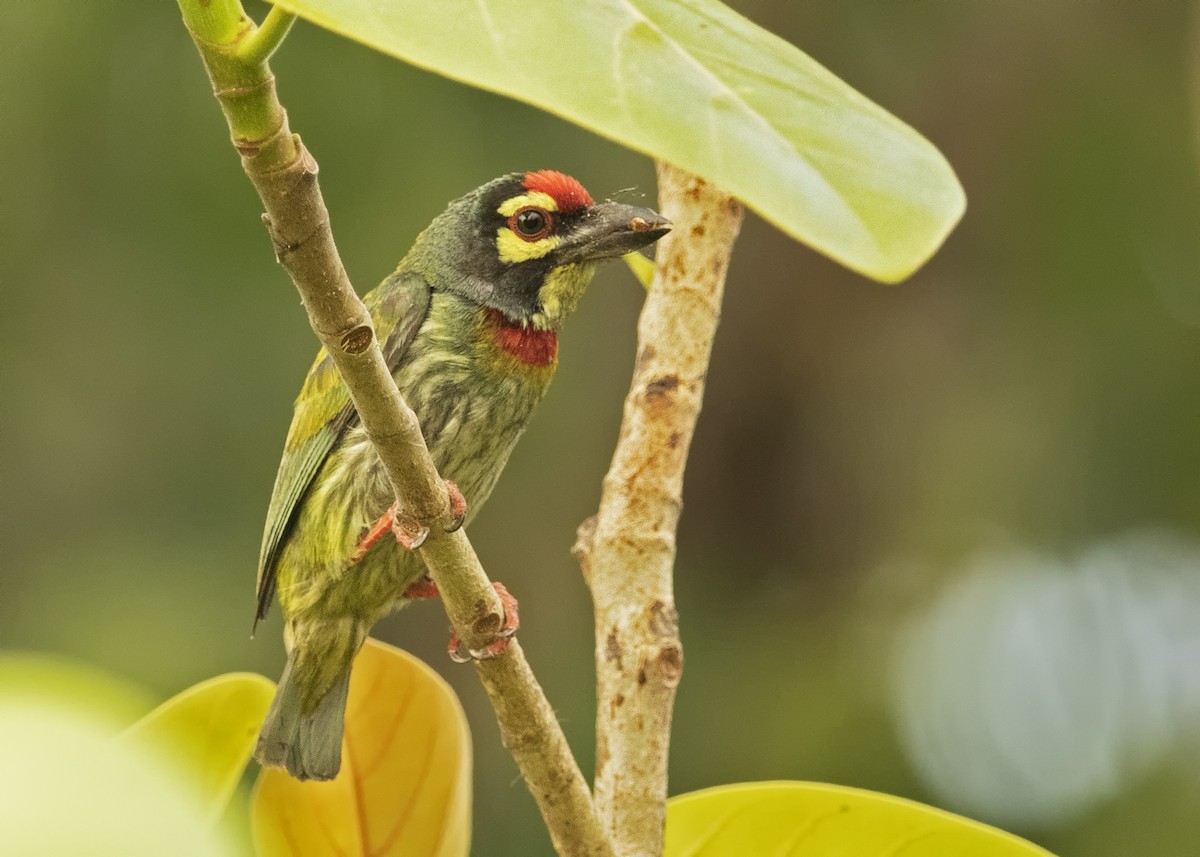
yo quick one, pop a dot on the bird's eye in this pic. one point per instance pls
(531, 223)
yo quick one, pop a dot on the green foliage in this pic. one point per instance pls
(642, 268)
(40, 680)
(70, 787)
(701, 87)
(206, 733)
(813, 818)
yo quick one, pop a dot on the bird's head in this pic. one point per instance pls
(527, 244)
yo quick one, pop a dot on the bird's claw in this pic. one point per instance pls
(405, 539)
(460, 654)
(458, 506)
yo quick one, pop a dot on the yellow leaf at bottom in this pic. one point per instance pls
(405, 783)
(815, 820)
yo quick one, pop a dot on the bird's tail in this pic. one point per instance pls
(303, 728)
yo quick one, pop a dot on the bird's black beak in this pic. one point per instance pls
(612, 229)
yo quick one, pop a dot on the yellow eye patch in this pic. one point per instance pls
(513, 248)
(535, 198)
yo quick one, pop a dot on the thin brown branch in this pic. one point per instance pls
(285, 175)
(627, 551)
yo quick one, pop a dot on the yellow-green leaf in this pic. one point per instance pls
(67, 786)
(207, 732)
(405, 784)
(642, 268)
(697, 85)
(794, 819)
(51, 679)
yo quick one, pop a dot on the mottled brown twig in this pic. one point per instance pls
(627, 551)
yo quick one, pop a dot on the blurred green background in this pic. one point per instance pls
(1035, 387)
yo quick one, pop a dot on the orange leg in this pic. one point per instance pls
(423, 588)
(374, 533)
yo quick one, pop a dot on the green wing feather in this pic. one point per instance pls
(324, 411)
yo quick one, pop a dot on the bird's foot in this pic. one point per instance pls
(402, 530)
(461, 654)
(426, 588)
(458, 506)
(409, 536)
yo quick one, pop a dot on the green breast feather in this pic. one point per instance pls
(324, 411)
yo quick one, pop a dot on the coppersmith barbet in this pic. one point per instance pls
(468, 324)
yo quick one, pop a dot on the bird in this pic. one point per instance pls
(468, 324)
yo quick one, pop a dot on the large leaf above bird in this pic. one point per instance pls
(698, 85)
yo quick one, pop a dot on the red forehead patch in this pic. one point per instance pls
(564, 190)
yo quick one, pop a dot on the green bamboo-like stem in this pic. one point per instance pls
(285, 175)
